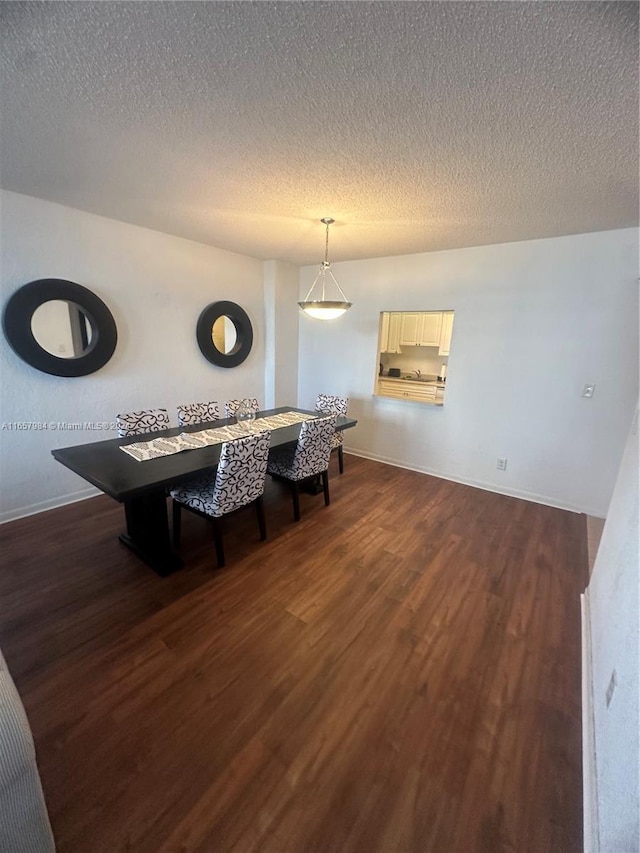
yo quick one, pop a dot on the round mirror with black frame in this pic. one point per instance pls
(59, 327)
(224, 334)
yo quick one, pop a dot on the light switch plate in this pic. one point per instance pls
(588, 390)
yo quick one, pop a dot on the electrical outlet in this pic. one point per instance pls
(612, 686)
(502, 464)
(588, 390)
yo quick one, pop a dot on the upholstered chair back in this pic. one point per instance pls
(197, 413)
(137, 423)
(239, 478)
(313, 450)
(329, 403)
(241, 473)
(238, 481)
(336, 405)
(232, 406)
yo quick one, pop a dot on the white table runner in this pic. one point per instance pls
(141, 451)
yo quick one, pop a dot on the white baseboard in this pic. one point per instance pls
(63, 500)
(52, 503)
(478, 484)
(589, 774)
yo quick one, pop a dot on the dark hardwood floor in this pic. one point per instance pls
(397, 673)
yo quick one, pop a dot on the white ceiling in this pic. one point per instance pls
(417, 125)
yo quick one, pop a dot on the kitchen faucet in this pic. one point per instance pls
(417, 373)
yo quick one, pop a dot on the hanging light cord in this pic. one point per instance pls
(325, 267)
(326, 246)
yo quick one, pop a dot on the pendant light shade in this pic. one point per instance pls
(322, 308)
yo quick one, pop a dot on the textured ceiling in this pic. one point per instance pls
(417, 126)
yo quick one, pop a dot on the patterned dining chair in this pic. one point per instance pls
(338, 406)
(137, 423)
(197, 413)
(238, 481)
(232, 406)
(309, 458)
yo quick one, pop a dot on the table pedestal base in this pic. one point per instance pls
(148, 532)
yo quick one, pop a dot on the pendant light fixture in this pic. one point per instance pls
(323, 308)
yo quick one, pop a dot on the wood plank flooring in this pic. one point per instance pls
(397, 673)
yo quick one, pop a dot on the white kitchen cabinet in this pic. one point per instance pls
(410, 330)
(390, 332)
(445, 333)
(395, 319)
(384, 331)
(401, 389)
(430, 329)
(421, 329)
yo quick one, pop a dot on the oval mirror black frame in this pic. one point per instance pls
(16, 324)
(244, 334)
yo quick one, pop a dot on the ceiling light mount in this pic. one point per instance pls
(322, 308)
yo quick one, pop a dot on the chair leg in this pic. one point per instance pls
(295, 492)
(217, 538)
(325, 486)
(177, 523)
(260, 513)
(340, 459)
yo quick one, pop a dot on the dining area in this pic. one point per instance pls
(207, 457)
(214, 463)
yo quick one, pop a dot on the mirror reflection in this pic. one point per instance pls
(224, 335)
(62, 328)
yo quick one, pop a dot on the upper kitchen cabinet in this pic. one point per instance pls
(390, 331)
(445, 333)
(421, 329)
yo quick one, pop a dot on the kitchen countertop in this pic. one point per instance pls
(417, 381)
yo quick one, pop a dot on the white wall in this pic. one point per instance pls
(613, 606)
(281, 333)
(156, 286)
(534, 322)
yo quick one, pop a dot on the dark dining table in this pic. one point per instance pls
(142, 486)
